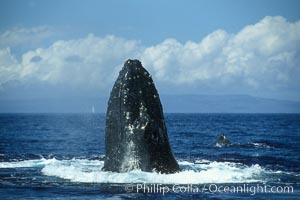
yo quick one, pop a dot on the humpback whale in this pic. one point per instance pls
(135, 134)
(222, 140)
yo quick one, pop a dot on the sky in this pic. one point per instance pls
(71, 48)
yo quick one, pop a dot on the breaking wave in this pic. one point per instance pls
(90, 171)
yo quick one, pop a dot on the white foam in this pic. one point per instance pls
(90, 171)
(256, 144)
(27, 163)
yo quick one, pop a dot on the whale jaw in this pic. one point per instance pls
(136, 135)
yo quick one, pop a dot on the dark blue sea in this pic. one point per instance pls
(60, 156)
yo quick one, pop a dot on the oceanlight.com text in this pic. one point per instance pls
(250, 189)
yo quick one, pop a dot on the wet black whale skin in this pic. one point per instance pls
(136, 135)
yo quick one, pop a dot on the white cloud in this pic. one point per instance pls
(260, 57)
(90, 62)
(263, 55)
(186, 63)
(9, 67)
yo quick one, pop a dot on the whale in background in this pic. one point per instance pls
(222, 141)
(136, 135)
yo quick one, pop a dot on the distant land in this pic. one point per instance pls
(171, 104)
(227, 104)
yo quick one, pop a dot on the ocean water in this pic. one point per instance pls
(60, 156)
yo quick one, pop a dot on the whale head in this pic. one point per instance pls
(136, 134)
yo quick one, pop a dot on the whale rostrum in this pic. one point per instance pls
(136, 135)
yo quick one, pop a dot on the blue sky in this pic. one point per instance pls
(52, 48)
(148, 21)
